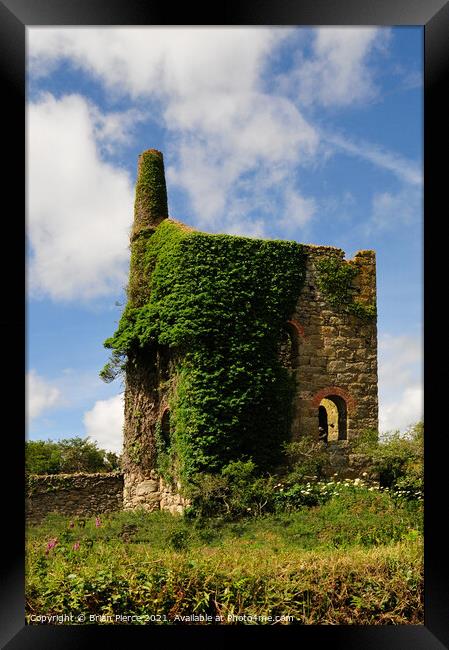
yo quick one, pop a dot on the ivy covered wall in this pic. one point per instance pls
(219, 303)
(209, 373)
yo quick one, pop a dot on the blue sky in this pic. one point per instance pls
(314, 135)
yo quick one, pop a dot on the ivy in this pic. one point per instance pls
(151, 193)
(336, 281)
(219, 302)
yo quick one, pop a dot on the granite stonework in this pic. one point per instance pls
(86, 495)
(332, 354)
(336, 351)
(152, 493)
(80, 495)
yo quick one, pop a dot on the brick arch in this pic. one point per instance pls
(298, 328)
(333, 390)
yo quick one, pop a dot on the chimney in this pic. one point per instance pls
(150, 205)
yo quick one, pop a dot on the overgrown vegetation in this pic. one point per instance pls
(151, 192)
(249, 548)
(336, 281)
(68, 456)
(354, 559)
(219, 302)
(397, 457)
(238, 490)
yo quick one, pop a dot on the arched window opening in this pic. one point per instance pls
(288, 348)
(165, 428)
(332, 417)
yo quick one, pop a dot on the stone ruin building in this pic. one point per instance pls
(330, 351)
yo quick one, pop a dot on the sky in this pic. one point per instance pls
(306, 134)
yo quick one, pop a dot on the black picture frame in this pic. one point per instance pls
(433, 16)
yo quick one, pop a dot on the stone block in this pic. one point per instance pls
(147, 487)
(337, 366)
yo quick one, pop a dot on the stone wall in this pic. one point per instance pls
(151, 493)
(73, 495)
(93, 494)
(336, 351)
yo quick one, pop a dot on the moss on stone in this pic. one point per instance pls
(335, 280)
(150, 204)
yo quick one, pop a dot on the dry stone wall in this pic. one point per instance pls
(73, 495)
(86, 495)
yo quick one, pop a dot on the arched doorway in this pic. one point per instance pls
(332, 411)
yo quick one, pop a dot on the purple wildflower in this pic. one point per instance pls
(71, 525)
(51, 544)
(97, 522)
(76, 546)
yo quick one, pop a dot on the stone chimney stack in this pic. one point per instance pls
(150, 205)
(150, 208)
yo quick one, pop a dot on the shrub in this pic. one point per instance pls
(238, 490)
(398, 458)
(179, 540)
(42, 457)
(305, 459)
(68, 456)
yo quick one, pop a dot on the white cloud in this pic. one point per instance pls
(400, 382)
(112, 130)
(406, 411)
(79, 206)
(255, 134)
(42, 395)
(392, 209)
(104, 423)
(389, 209)
(338, 72)
(298, 210)
(175, 61)
(405, 170)
(233, 143)
(223, 125)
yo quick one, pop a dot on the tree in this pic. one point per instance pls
(42, 457)
(81, 455)
(68, 456)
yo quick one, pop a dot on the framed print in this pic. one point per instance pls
(236, 445)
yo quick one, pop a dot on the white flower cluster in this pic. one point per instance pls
(335, 487)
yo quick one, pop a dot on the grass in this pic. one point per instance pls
(356, 559)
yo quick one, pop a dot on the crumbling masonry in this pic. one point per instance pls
(331, 352)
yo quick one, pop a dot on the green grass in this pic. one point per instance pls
(356, 559)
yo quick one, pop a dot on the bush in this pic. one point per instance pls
(294, 497)
(42, 457)
(179, 540)
(305, 459)
(398, 458)
(68, 456)
(236, 491)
